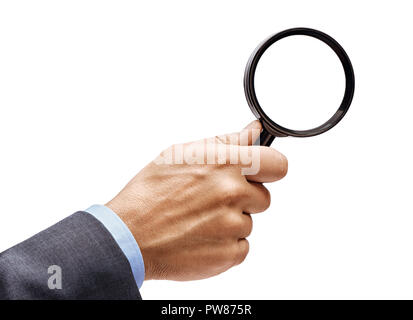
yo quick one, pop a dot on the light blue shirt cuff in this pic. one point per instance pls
(124, 238)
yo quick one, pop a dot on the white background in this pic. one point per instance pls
(91, 91)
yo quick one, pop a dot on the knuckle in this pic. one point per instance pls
(232, 190)
(237, 225)
(200, 172)
(234, 223)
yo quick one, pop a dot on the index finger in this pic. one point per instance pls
(245, 137)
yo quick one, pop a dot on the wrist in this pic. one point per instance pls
(131, 219)
(123, 237)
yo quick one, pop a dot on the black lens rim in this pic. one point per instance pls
(249, 87)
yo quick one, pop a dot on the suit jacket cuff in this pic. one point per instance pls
(123, 237)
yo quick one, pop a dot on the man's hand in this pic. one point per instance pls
(191, 219)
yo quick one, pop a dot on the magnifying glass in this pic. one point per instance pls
(283, 57)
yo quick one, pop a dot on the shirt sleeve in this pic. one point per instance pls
(123, 237)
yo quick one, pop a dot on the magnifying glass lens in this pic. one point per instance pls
(299, 82)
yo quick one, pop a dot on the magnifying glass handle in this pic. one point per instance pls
(265, 139)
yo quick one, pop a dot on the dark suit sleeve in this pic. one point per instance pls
(91, 262)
